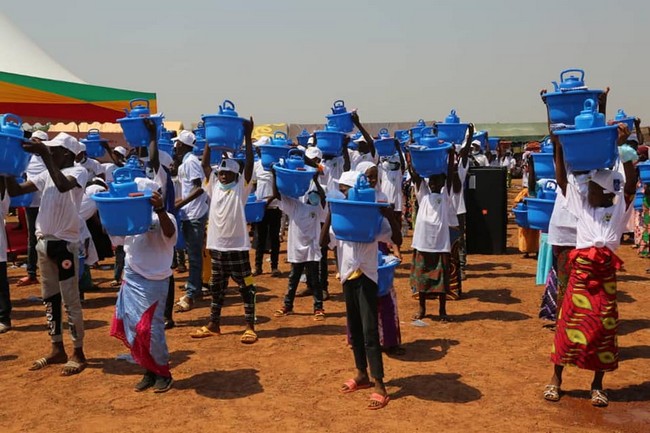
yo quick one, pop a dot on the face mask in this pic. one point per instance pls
(313, 198)
(227, 186)
(475, 152)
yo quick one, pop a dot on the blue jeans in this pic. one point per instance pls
(194, 234)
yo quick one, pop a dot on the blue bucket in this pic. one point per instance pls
(355, 221)
(294, 183)
(494, 142)
(452, 132)
(564, 106)
(330, 142)
(521, 215)
(543, 165)
(539, 213)
(93, 142)
(23, 200)
(385, 146)
(165, 142)
(428, 161)
(340, 117)
(638, 199)
(254, 210)
(124, 216)
(133, 128)
(589, 149)
(303, 138)
(271, 154)
(386, 275)
(417, 129)
(132, 169)
(622, 117)
(225, 129)
(644, 171)
(13, 158)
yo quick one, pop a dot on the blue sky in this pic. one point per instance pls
(287, 60)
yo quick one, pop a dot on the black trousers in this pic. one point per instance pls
(311, 270)
(268, 227)
(5, 299)
(32, 259)
(169, 305)
(361, 311)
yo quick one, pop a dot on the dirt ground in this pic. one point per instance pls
(484, 371)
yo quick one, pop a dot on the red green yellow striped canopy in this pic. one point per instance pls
(44, 100)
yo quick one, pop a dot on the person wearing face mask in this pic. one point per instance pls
(228, 240)
(477, 158)
(303, 244)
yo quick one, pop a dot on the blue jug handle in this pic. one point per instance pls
(17, 120)
(620, 114)
(566, 71)
(279, 135)
(146, 101)
(338, 104)
(383, 132)
(227, 105)
(421, 122)
(590, 105)
(92, 131)
(362, 182)
(427, 130)
(556, 86)
(296, 152)
(551, 185)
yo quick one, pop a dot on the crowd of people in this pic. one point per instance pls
(204, 204)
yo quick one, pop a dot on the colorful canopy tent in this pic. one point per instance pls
(41, 99)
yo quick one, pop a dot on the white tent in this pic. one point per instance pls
(19, 55)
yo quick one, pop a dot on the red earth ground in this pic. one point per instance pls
(484, 371)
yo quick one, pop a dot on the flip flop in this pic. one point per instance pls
(73, 367)
(552, 393)
(41, 363)
(319, 315)
(203, 332)
(353, 386)
(599, 398)
(281, 312)
(377, 401)
(249, 337)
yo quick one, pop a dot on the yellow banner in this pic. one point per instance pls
(268, 129)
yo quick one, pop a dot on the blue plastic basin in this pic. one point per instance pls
(355, 221)
(563, 107)
(386, 275)
(589, 149)
(428, 161)
(543, 165)
(452, 132)
(294, 183)
(124, 216)
(539, 213)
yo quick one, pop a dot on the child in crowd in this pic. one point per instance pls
(228, 240)
(431, 243)
(139, 312)
(303, 246)
(358, 273)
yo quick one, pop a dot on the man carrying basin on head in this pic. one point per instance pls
(57, 230)
(193, 210)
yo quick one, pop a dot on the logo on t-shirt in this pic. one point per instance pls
(607, 218)
(617, 185)
(66, 264)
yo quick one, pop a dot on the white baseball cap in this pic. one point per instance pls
(41, 135)
(82, 148)
(186, 137)
(229, 165)
(121, 150)
(360, 140)
(262, 141)
(349, 178)
(66, 141)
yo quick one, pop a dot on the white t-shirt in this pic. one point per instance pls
(188, 171)
(596, 227)
(391, 184)
(357, 157)
(109, 168)
(59, 216)
(150, 254)
(458, 198)
(36, 166)
(227, 230)
(94, 167)
(88, 207)
(562, 226)
(432, 224)
(333, 168)
(359, 255)
(264, 184)
(4, 209)
(303, 244)
(481, 160)
(507, 162)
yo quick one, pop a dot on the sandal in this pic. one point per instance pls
(552, 393)
(26, 281)
(203, 332)
(249, 337)
(184, 304)
(41, 363)
(115, 283)
(73, 367)
(351, 385)
(283, 311)
(599, 398)
(319, 315)
(377, 401)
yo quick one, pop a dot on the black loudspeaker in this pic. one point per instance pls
(486, 201)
